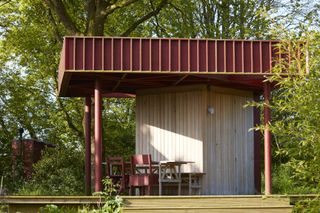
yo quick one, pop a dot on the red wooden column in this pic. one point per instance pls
(97, 136)
(87, 133)
(257, 140)
(267, 138)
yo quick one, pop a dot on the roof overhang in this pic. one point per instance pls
(125, 65)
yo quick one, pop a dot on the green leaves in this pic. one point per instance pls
(296, 124)
(119, 127)
(215, 19)
(60, 172)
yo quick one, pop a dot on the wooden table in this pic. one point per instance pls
(170, 172)
(193, 180)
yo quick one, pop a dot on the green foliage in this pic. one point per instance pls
(60, 172)
(3, 208)
(307, 206)
(55, 209)
(215, 19)
(120, 127)
(295, 123)
(283, 183)
(110, 202)
(50, 209)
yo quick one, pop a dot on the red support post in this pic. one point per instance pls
(267, 138)
(97, 136)
(257, 150)
(87, 133)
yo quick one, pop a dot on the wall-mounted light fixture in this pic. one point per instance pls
(210, 110)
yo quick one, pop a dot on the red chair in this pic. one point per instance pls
(141, 174)
(116, 170)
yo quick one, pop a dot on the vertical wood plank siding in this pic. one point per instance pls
(229, 145)
(176, 125)
(169, 127)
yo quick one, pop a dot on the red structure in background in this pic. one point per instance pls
(27, 151)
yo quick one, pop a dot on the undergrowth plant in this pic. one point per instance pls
(110, 202)
(307, 206)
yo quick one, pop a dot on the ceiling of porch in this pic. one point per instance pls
(122, 84)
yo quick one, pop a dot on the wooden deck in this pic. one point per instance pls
(207, 204)
(234, 203)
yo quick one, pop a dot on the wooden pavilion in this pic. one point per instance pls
(189, 94)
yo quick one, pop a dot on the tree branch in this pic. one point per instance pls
(60, 10)
(162, 4)
(118, 5)
(4, 127)
(57, 34)
(4, 3)
(159, 28)
(96, 16)
(91, 9)
(69, 120)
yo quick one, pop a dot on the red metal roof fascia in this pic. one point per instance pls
(169, 55)
(237, 58)
(168, 38)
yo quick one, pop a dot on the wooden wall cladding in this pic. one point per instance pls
(175, 125)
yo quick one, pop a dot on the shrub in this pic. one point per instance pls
(111, 202)
(60, 172)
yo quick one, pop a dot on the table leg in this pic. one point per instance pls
(200, 184)
(190, 182)
(179, 176)
(160, 181)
